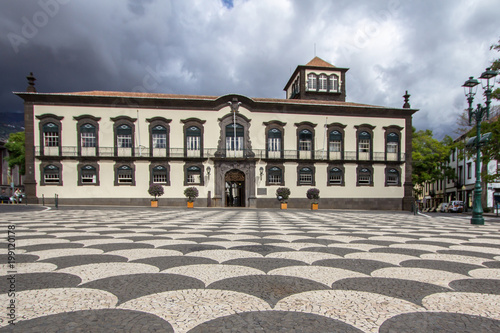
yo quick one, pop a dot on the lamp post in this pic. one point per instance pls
(481, 112)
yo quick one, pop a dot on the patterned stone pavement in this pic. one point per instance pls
(209, 270)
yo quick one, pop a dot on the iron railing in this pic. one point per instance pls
(145, 152)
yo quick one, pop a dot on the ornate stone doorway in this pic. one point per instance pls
(235, 188)
(239, 176)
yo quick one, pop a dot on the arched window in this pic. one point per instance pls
(193, 175)
(274, 140)
(234, 139)
(323, 82)
(305, 140)
(392, 143)
(193, 141)
(334, 83)
(335, 176)
(364, 177)
(274, 176)
(311, 82)
(392, 177)
(88, 140)
(124, 175)
(51, 135)
(159, 175)
(392, 147)
(364, 146)
(306, 176)
(51, 175)
(50, 128)
(335, 145)
(88, 175)
(124, 136)
(275, 131)
(88, 136)
(159, 129)
(364, 142)
(159, 137)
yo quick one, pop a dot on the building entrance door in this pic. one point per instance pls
(235, 189)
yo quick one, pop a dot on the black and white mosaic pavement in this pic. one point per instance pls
(209, 270)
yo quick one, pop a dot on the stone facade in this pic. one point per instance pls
(102, 147)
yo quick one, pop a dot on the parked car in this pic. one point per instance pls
(456, 206)
(4, 199)
(442, 207)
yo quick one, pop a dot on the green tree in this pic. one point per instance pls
(490, 151)
(15, 146)
(495, 65)
(430, 157)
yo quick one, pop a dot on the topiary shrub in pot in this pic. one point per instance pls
(155, 190)
(191, 194)
(283, 193)
(313, 195)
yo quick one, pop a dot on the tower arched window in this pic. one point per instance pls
(333, 85)
(323, 82)
(311, 82)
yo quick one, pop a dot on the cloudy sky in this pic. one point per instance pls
(250, 47)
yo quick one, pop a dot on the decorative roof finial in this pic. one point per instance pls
(407, 100)
(31, 82)
(234, 105)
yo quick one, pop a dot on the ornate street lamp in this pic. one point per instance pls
(481, 112)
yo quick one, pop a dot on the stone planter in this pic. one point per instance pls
(154, 203)
(190, 204)
(314, 206)
(283, 205)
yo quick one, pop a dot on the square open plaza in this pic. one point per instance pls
(126, 269)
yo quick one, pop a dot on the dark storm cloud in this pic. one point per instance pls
(250, 47)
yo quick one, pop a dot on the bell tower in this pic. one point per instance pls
(317, 80)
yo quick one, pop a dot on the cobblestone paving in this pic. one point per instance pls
(211, 270)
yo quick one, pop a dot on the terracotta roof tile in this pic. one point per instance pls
(318, 62)
(313, 102)
(212, 98)
(136, 95)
